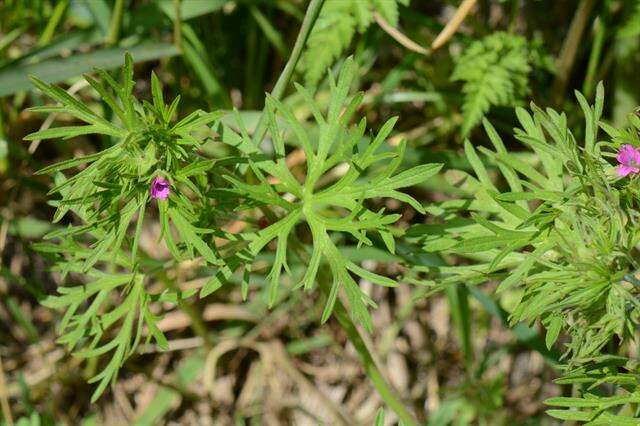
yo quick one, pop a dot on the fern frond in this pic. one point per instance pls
(335, 28)
(332, 33)
(495, 73)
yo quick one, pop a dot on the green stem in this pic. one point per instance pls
(594, 58)
(177, 25)
(55, 19)
(197, 322)
(116, 22)
(283, 81)
(370, 368)
(458, 296)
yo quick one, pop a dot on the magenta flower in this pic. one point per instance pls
(629, 159)
(160, 189)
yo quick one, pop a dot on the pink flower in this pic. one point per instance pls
(160, 189)
(629, 159)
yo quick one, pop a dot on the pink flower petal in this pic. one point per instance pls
(635, 157)
(623, 170)
(160, 188)
(625, 154)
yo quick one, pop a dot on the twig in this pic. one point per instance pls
(4, 398)
(567, 57)
(174, 345)
(454, 23)
(213, 312)
(211, 362)
(282, 358)
(398, 35)
(4, 230)
(412, 134)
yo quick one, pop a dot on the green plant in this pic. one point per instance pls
(114, 187)
(304, 213)
(106, 195)
(562, 235)
(328, 209)
(495, 71)
(337, 24)
(609, 392)
(631, 26)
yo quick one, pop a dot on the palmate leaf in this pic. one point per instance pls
(131, 314)
(340, 207)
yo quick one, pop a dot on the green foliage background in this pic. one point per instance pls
(334, 179)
